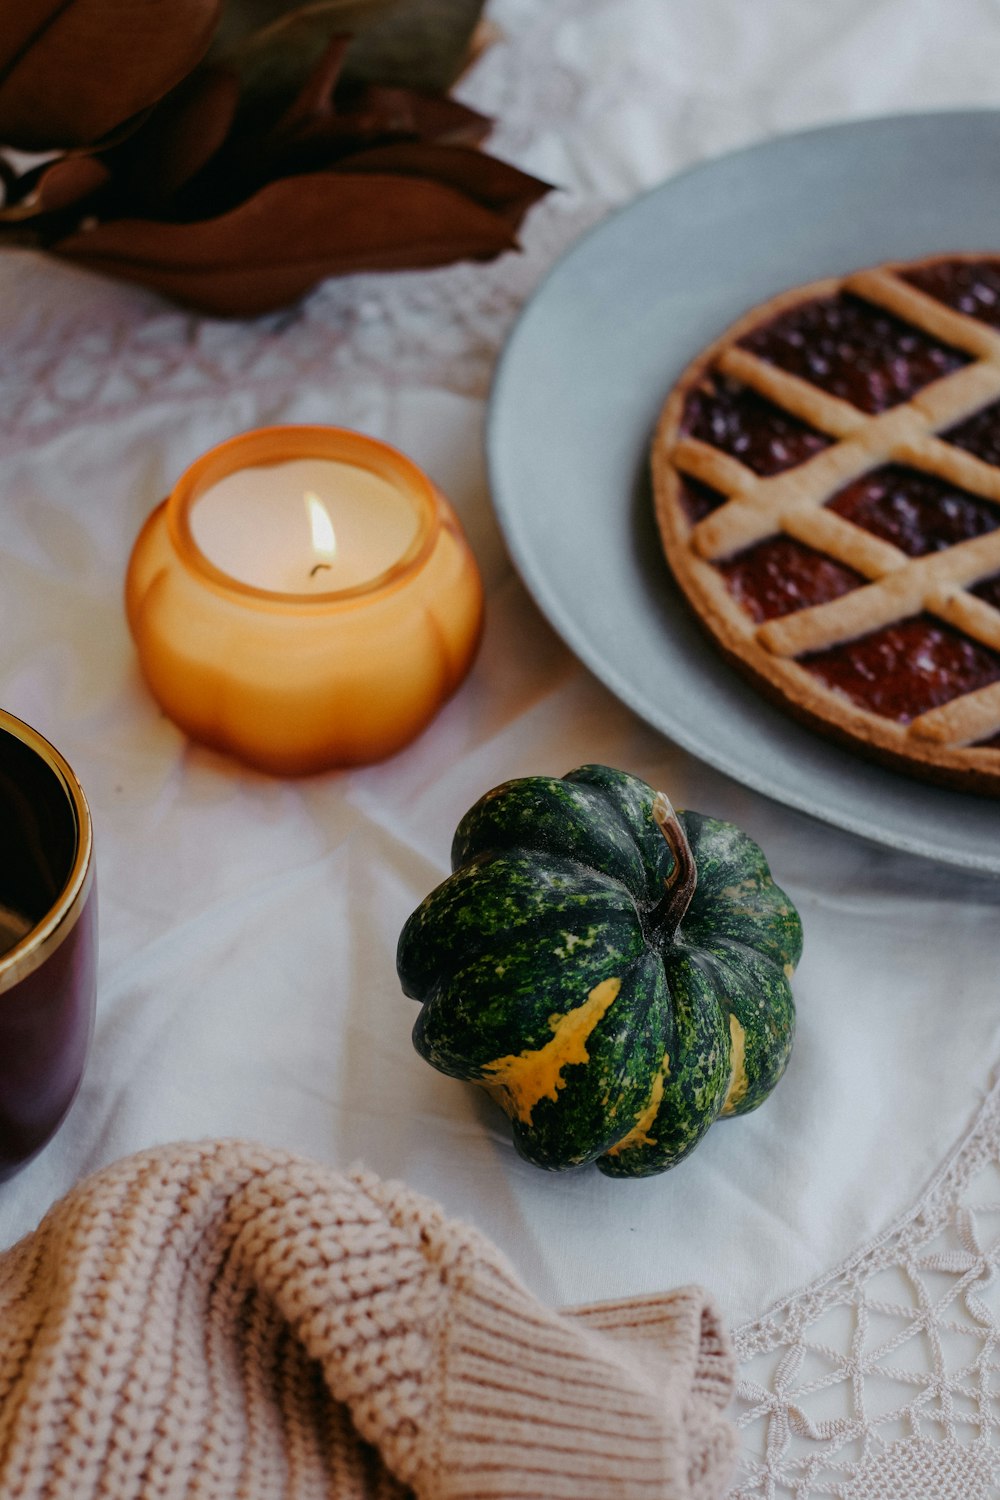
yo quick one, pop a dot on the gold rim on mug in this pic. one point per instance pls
(59, 921)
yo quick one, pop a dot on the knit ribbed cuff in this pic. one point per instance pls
(617, 1401)
(221, 1320)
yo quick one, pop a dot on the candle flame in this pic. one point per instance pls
(324, 538)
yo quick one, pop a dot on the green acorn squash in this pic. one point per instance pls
(614, 973)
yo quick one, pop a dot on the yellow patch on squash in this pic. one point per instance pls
(743, 897)
(738, 1081)
(519, 1082)
(639, 1134)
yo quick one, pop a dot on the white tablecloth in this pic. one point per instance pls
(248, 925)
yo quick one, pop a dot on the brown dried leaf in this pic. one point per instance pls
(494, 183)
(180, 136)
(316, 130)
(71, 71)
(54, 187)
(430, 117)
(292, 234)
(366, 117)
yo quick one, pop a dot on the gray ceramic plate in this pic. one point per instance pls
(583, 376)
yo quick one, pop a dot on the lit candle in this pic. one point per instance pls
(304, 598)
(306, 526)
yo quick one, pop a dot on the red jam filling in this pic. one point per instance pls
(989, 589)
(748, 427)
(979, 434)
(970, 286)
(907, 668)
(917, 512)
(780, 575)
(854, 350)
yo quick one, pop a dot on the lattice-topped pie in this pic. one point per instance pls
(827, 484)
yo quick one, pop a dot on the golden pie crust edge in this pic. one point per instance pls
(781, 679)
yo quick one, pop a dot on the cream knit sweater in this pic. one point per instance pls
(220, 1320)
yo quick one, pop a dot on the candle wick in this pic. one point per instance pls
(314, 570)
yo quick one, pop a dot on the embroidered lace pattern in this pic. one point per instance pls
(71, 360)
(882, 1380)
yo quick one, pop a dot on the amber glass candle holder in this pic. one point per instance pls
(294, 680)
(48, 940)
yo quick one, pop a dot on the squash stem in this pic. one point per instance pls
(667, 914)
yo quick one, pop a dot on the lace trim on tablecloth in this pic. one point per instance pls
(70, 358)
(881, 1380)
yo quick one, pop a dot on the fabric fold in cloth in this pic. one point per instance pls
(221, 1320)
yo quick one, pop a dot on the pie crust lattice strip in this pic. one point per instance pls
(826, 478)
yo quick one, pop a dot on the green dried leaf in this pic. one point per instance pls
(273, 64)
(415, 44)
(242, 18)
(418, 44)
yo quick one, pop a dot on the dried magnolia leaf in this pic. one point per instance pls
(430, 117)
(273, 64)
(323, 124)
(223, 189)
(9, 178)
(418, 44)
(314, 100)
(369, 116)
(71, 71)
(368, 111)
(497, 185)
(178, 139)
(415, 44)
(21, 24)
(242, 18)
(54, 187)
(292, 234)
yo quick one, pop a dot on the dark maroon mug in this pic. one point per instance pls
(48, 940)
